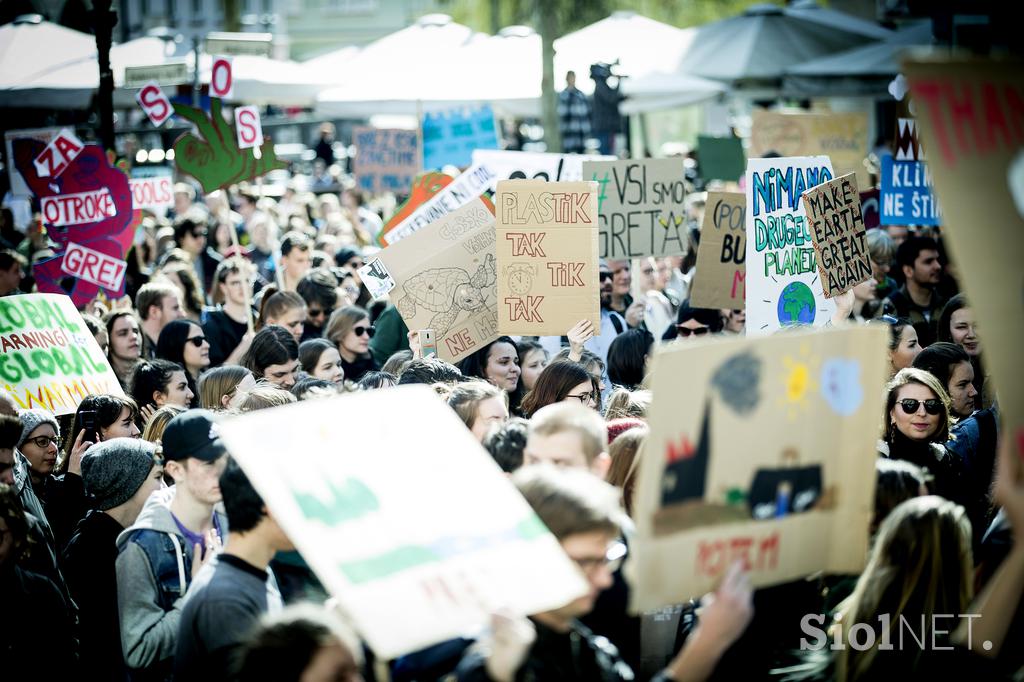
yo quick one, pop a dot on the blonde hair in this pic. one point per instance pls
(625, 451)
(465, 399)
(265, 396)
(920, 565)
(626, 403)
(912, 375)
(559, 417)
(154, 431)
(218, 382)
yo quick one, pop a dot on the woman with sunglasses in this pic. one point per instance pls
(917, 427)
(694, 323)
(350, 330)
(184, 342)
(562, 381)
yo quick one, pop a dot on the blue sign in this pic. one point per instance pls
(449, 137)
(907, 194)
(386, 159)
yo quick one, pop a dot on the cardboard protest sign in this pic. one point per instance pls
(48, 357)
(720, 158)
(444, 277)
(721, 272)
(58, 154)
(783, 287)
(512, 165)
(222, 78)
(906, 193)
(44, 135)
(547, 256)
(380, 515)
(640, 207)
(88, 214)
(434, 195)
(214, 157)
(762, 455)
(387, 159)
(979, 176)
(154, 103)
(838, 233)
(841, 137)
(449, 137)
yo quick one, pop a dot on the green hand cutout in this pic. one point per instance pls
(215, 159)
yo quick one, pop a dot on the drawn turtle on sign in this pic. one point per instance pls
(447, 292)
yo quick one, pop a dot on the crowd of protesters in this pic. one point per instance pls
(133, 547)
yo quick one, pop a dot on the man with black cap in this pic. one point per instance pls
(176, 533)
(119, 475)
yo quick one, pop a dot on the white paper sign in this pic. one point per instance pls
(248, 127)
(155, 103)
(510, 165)
(79, 208)
(93, 266)
(417, 521)
(58, 155)
(153, 193)
(783, 285)
(222, 78)
(470, 184)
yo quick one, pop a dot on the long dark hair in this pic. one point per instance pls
(171, 346)
(149, 377)
(310, 352)
(555, 383)
(272, 345)
(627, 358)
(475, 365)
(108, 410)
(954, 304)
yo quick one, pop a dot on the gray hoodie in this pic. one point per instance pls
(148, 631)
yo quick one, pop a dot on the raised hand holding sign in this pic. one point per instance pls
(214, 158)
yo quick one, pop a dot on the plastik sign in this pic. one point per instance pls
(93, 266)
(79, 208)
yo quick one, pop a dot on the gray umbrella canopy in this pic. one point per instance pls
(862, 71)
(758, 46)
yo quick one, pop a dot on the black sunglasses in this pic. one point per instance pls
(686, 331)
(931, 406)
(605, 275)
(196, 341)
(369, 331)
(317, 312)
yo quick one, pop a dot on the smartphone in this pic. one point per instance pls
(428, 344)
(88, 418)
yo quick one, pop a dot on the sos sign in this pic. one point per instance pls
(248, 127)
(222, 79)
(155, 103)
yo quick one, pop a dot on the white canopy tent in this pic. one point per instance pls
(421, 67)
(34, 58)
(641, 45)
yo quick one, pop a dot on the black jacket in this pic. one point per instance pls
(38, 641)
(89, 560)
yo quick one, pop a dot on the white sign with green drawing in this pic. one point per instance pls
(415, 530)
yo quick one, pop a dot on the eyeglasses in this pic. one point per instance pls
(931, 406)
(369, 331)
(316, 312)
(612, 559)
(42, 441)
(686, 331)
(605, 275)
(584, 397)
(196, 341)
